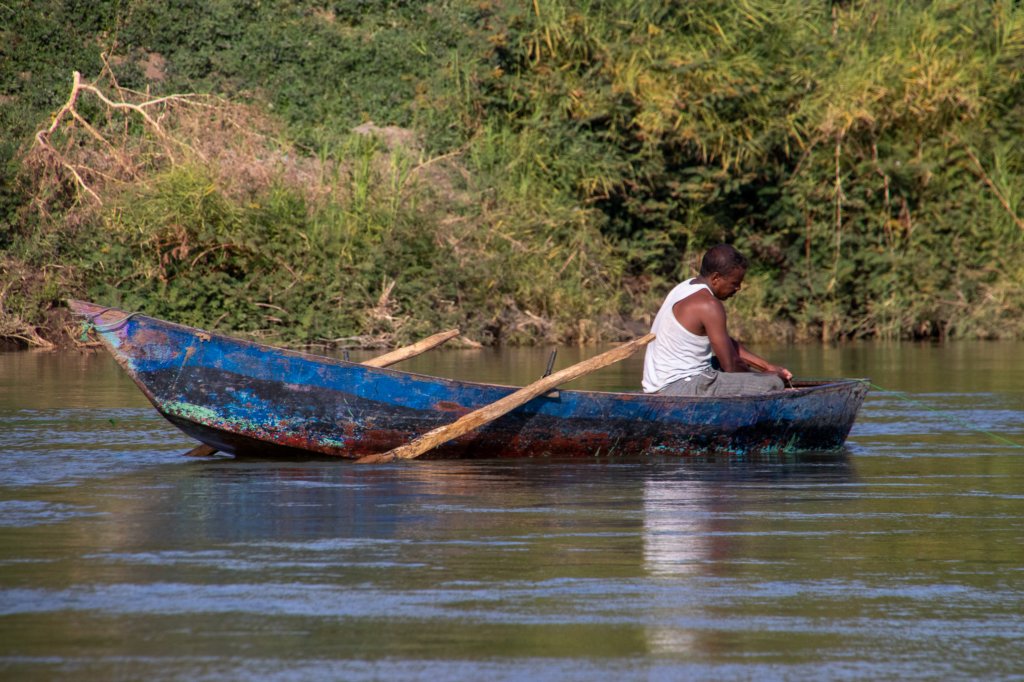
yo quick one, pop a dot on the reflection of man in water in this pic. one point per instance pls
(691, 328)
(677, 534)
(680, 541)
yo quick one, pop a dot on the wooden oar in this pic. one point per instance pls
(489, 413)
(201, 450)
(412, 350)
(397, 355)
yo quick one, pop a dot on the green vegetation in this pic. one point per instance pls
(533, 171)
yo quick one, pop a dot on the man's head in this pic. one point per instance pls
(723, 268)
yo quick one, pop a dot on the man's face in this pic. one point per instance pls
(725, 286)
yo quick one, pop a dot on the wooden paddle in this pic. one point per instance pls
(201, 450)
(397, 355)
(764, 367)
(411, 350)
(489, 413)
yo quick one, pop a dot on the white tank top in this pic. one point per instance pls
(676, 352)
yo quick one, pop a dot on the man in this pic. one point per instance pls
(691, 328)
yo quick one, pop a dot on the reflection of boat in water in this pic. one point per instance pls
(244, 398)
(708, 527)
(689, 514)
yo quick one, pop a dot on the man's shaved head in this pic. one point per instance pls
(722, 259)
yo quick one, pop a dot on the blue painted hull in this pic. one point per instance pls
(249, 399)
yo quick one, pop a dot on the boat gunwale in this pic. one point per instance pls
(802, 388)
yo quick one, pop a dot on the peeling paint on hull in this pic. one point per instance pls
(244, 398)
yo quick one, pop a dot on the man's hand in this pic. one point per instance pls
(758, 363)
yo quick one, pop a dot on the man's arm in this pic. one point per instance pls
(759, 363)
(712, 314)
(702, 312)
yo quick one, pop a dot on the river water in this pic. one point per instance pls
(901, 557)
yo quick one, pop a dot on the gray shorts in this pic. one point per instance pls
(711, 382)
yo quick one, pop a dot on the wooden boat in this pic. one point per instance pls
(244, 398)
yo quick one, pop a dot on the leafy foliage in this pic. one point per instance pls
(568, 162)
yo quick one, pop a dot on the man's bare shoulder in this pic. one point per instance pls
(697, 300)
(697, 311)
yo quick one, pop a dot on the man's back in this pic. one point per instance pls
(676, 352)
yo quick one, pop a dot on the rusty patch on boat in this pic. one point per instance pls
(449, 406)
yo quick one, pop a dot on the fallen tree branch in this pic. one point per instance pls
(69, 110)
